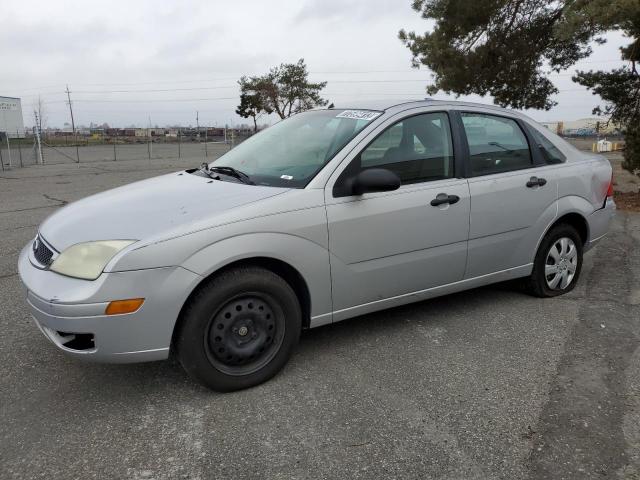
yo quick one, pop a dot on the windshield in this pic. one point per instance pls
(291, 152)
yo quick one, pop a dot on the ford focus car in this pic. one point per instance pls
(327, 215)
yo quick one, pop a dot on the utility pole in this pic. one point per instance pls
(206, 154)
(19, 146)
(150, 139)
(198, 125)
(38, 143)
(73, 125)
(6, 134)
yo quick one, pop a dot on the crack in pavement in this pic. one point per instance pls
(13, 229)
(101, 171)
(49, 197)
(29, 208)
(580, 429)
(61, 203)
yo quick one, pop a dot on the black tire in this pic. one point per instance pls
(238, 329)
(537, 284)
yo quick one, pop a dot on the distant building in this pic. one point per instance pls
(584, 127)
(555, 127)
(215, 132)
(11, 122)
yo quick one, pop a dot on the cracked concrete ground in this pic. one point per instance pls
(484, 384)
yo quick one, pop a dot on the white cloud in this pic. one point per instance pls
(196, 50)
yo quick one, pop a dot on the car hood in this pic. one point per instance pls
(147, 208)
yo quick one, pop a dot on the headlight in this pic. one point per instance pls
(87, 260)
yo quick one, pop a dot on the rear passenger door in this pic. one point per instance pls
(513, 193)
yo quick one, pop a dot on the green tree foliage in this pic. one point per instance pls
(251, 105)
(620, 88)
(507, 48)
(285, 90)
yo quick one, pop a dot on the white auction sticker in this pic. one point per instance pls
(286, 177)
(359, 114)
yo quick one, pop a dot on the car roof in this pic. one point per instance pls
(386, 105)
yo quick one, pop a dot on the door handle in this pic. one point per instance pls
(536, 182)
(443, 198)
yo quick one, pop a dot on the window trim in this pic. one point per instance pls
(537, 159)
(456, 145)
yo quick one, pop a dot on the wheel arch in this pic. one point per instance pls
(577, 221)
(576, 217)
(281, 268)
(285, 270)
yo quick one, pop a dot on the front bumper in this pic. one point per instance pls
(66, 308)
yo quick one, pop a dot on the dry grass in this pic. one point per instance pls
(629, 201)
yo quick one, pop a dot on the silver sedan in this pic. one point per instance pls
(327, 215)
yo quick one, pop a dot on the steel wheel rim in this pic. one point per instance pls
(244, 334)
(561, 264)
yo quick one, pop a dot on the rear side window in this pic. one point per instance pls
(549, 151)
(496, 144)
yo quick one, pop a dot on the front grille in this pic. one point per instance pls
(41, 252)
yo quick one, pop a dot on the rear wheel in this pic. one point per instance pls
(239, 329)
(558, 263)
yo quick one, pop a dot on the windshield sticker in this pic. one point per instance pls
(286, 177)
(359, 115)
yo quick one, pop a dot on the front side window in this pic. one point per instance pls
(291, 152)
(496, 144)
(417, 149)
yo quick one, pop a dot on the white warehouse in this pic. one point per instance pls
(11, 122)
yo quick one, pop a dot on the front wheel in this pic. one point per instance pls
(558, 263)
(239, 329)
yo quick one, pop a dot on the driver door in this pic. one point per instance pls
(391, 244)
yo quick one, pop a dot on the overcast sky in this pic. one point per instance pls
(135, 62)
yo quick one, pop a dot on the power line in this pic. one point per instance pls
(346, 81)
(157, 90)
(236, 75)
(203, 80)
(154, 100)
(206, 99)
(316, 72)
(191, 89)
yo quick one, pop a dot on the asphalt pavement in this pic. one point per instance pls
(484, 384)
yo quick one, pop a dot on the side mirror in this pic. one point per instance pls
(374, 180)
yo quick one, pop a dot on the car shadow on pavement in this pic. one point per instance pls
(434, 310)
(157, 377)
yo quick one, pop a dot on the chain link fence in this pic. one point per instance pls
(24, 152)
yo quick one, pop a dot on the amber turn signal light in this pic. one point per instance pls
(118, 307)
